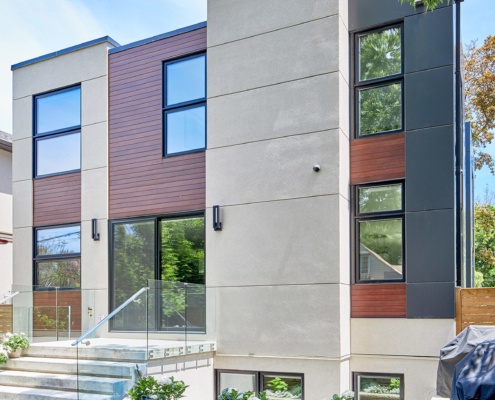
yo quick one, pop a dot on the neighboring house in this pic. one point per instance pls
(326, 133)
(5, 212)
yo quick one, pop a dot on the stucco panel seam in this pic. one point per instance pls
(274, 30)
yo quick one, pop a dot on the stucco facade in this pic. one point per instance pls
(285, 162)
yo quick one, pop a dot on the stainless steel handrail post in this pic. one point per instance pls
(118, 309)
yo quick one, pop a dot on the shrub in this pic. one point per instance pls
(163, 389)
(14, 341)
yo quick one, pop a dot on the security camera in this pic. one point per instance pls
(316, 167)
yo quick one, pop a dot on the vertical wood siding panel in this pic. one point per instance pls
(160, 185)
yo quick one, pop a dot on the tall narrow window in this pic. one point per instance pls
(184, 109)
(379, 232)
(57, 132)
(378, 81)
(58, 256)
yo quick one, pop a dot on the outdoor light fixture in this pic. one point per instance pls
(95, 233)
(217, 225)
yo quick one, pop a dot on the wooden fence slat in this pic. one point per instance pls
(474, 306)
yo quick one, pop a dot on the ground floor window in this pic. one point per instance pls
(373, 386)
(57, 260)
(169, 251)
(276, 385)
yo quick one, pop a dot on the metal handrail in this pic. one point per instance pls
(123, 305)
(8, 297)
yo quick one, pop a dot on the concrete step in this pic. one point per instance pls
(91, 352)
(22, 393)
(71, 366)
(95, 384)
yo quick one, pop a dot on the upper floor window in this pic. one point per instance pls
(184, 108)
(58, 256)
(379, 232)
(379, 81)
(57, 135)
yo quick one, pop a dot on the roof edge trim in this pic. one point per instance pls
(158, 37)
(65, 51)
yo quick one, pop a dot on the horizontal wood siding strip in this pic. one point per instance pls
(57, 199)
(475, 306)
(378, 300)
(378, 158)
(141, 181)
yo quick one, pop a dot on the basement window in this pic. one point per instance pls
(378, 386)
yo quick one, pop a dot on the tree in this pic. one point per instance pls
(429, 4)
(484, 246)
(480, 98)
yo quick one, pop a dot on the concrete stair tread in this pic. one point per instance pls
(15, 392)
(68, 365)
(97, 384)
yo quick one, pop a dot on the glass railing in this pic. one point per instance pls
(159, 321)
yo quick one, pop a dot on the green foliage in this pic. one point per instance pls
(168, 389)
(429, 4)
(394, 383)
(380, 54)
(347, 395)
(4, 355)
(484, 244)
(384, 237)
(15, 341)
(234, 394)
(380, 109)
(277, 384)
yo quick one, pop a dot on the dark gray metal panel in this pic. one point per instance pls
(424, 47)
(364, 14)
(430, 169)
(429, 98)
(430, 246)
(431, 300)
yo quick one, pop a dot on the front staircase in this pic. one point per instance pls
(59, 371)
(105, 369)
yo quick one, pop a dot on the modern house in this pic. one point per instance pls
(304, 160)
(5, 212)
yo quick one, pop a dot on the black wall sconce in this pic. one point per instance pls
(217, 225)
(95, 233)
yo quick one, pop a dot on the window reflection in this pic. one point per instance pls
(58, 110)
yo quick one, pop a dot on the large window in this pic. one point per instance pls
(379, 232)
(58, 257)
(184, 109)
(276, 385)
(378, 386)
(169, 251)
(379, 81)
(57, 132)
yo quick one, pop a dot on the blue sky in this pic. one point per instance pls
(30, 28)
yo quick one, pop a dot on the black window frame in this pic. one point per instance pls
(377, 216)
(374, 83)
(54, 257)
(258, 378)
(356, 375)
(155, 218)
(55, 133)
(185, 105)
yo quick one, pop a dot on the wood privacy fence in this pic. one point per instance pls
(5, 318)
(474, 307)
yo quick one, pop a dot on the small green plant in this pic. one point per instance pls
(4, 355)
(277, 384)
(14, 341)
(166, 389)
(394, 383)
(347, 395)
(234, 394)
